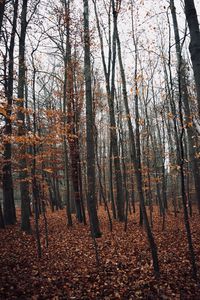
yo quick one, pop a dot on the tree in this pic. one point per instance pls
(66, 173)
(23, 173)
(2, 223)
(8, 193)
(72, 115)
(2, 8)
(191, 16)
(71, 106)
(136, 151)
(183, 98)
(187, 109)
(110, 90)
(91, 197)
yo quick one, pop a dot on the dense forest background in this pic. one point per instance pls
(99, 123)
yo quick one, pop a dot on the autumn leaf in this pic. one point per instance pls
(3, 111)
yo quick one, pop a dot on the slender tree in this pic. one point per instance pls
(110, 89)
(8, 193)
(35, 183)
(66, 163)
(23, 174)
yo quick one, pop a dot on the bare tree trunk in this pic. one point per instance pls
(71, 116)
(2, 223)
(66, 163)
(91, 197)
(8, 193)
(102, 193)
(183, 190)
(124, 171)
(35, 184)
(111, 182)
(23, 174)
(2, 8)
(191, 16)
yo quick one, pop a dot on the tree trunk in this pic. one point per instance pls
(194, 47)
(91, 197)
(71, 134)
(111, 182)
(2, 8)
(23, 173)
(2, 223)
(102, 193)
(8, 193)
(66, 162)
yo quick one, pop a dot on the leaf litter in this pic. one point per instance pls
(68, 270)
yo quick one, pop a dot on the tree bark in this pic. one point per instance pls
(8, 193)
(2, 223)
(2, 8)
(91, 197)
(23, 174)
(194, 47)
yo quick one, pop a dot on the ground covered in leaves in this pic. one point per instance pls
(68, 270)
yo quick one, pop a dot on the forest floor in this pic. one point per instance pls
(68, 270)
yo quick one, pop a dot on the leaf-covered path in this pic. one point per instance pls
(67, 269)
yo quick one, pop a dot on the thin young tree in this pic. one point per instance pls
(66, 162)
